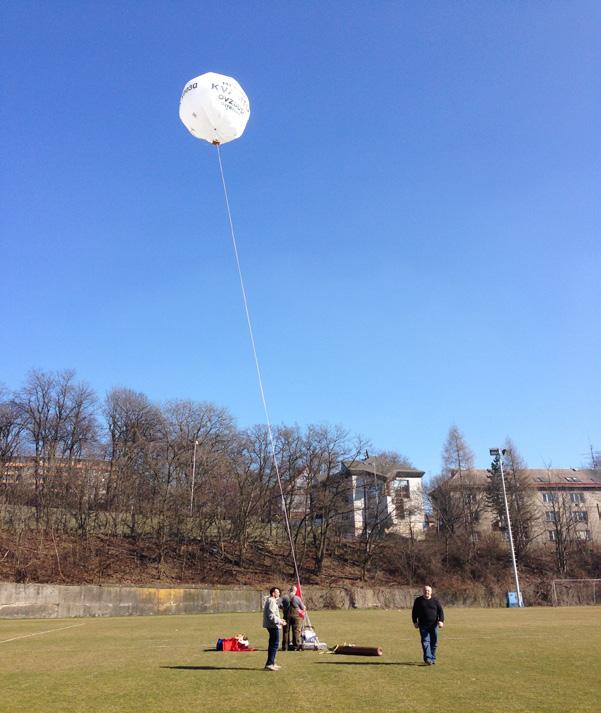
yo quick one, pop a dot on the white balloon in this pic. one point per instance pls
(214, 107)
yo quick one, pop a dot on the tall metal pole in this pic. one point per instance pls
(515, 567)
(193, 478)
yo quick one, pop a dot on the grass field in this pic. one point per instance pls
(489, 660)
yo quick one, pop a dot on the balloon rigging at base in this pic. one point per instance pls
(215, 108)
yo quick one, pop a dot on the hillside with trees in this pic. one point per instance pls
(128, 491)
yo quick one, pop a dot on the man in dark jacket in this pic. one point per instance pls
(285, 607)
(427, 616)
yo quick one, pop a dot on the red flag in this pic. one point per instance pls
(299, 593)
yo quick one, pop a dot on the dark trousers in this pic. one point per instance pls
(296, 626)
(272, 646)
(286, 635)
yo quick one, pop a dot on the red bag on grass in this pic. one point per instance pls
(232, 644)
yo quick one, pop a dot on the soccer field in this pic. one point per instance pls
(489, 660)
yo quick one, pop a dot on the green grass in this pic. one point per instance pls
(501, 660)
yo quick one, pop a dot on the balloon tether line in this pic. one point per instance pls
(257, 367)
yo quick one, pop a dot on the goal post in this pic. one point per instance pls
(575, 592)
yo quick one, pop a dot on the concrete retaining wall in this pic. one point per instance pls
(50, 601)
(55, 601)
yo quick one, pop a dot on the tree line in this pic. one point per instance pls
(174, 472)
(182, 482)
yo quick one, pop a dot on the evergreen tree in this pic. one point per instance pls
(520, 497)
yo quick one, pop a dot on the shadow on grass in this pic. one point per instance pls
(371, 663)
(211, 668)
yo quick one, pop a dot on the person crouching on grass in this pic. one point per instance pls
(427, 615)
(273, 623)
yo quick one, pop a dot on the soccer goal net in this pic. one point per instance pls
(575, 592)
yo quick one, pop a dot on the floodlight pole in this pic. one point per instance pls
(193, 478)
(501, 452)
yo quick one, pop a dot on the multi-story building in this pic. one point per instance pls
(23, 471)
(382, 498)
(566, 502)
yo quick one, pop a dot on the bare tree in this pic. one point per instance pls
(376, 492)
(185, 428)
(594, 462)
(252, 476)
(79, 425)
(458, 465)
(35, 403)
(290, 456)
(11, 430)
(376, 518)
(389, 460)
(561, 517)
(57, 416)
(328, 488)
(201, 428)
(447, 509)
(133, 425)
(561, 523)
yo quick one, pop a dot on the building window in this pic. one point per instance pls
(549, 497)
(399, 506)
(577, 497)
(584, 535)
(401, 488)
(580, 516)
(551, 516)
(552, 535)
(371, 490)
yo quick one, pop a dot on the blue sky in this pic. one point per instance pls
(416, 200)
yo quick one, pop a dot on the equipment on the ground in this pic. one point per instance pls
(353, 650)
(234, 643)
(311, 642)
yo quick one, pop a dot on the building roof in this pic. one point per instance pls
(565, 477)
(382, 468)
(542, 478)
